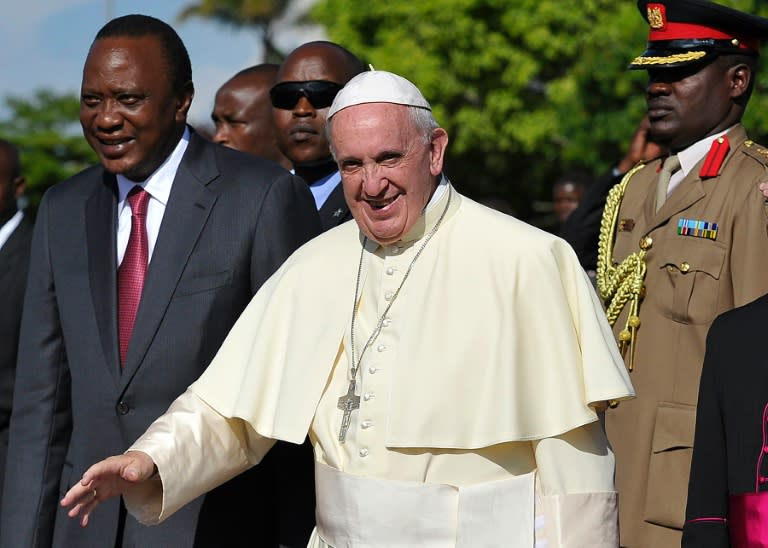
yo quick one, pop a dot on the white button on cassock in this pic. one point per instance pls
(363, 452)
(388, 295)
(381, 348)
(372, 370)
(390, 271)
(368, 396)
(387, 322)
(366, 424)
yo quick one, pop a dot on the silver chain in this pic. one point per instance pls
(356, 366)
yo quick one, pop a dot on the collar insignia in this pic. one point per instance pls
(626, 225)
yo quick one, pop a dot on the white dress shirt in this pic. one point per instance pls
(159, 187)
(7, 229)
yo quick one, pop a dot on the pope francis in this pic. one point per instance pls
(449, 363)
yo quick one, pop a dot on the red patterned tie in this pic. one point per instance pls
(130, 275)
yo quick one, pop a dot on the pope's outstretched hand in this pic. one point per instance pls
(106, 479)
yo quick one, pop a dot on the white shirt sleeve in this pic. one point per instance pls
(195, 449)
(576, 501)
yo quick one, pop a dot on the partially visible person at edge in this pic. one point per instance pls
(728, 488)
(139, 268)
(581, 228)
(242, 114)
(15, 243)
(428, 429)
(683, 240)
(308, 80)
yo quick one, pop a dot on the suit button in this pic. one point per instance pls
(122, 408)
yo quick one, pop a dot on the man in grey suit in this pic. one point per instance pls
(131, 291)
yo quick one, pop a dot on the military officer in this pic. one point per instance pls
(683, 238)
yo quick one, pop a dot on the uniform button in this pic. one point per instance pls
(372, 370)
(366, 424)
(370, 395)
(390, 271)
(684, 267)
(387, 322)
(122, 408)
(388, 295)
(363, 452)
(646, 242)
(381, 348)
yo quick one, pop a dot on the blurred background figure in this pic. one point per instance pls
(15, 240)
(308, 81)
(567, 192)
(242, 114)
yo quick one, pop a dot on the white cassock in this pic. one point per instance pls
(476, 424)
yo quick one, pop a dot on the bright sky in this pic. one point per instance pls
(43, 44)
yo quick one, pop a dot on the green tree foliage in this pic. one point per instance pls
(50, 141)
(525, 88)
(257, 14)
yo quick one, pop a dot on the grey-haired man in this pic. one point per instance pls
(440, 411)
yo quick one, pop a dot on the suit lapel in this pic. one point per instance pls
(684, 196)
(186, 213)
(8, 252)
(100, 220)
(334, 210)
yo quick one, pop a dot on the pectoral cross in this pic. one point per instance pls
(348, 403)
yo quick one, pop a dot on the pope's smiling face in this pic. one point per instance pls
(389, 168)
(130, 113)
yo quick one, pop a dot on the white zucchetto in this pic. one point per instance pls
(378, 86)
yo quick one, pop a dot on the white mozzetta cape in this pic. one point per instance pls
(502, 338)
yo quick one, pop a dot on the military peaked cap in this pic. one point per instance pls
(683, 32)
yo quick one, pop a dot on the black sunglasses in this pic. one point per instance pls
(320, 93)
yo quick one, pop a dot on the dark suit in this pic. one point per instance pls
(14, 264)
(230, 221)
(730, 425)
(334, 210)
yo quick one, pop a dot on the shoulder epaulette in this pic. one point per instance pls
(758, 152)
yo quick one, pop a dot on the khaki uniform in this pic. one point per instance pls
(689, 281)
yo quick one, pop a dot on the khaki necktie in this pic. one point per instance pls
(671, 164)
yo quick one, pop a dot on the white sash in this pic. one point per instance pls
(360, 512)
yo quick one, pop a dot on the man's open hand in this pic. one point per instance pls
(106, 479)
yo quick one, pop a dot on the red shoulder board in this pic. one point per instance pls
(714, 160)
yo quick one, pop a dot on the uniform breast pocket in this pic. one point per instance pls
(689, 279)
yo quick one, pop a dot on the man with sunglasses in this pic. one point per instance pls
(307, 82)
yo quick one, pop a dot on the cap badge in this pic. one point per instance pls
(657, 16)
